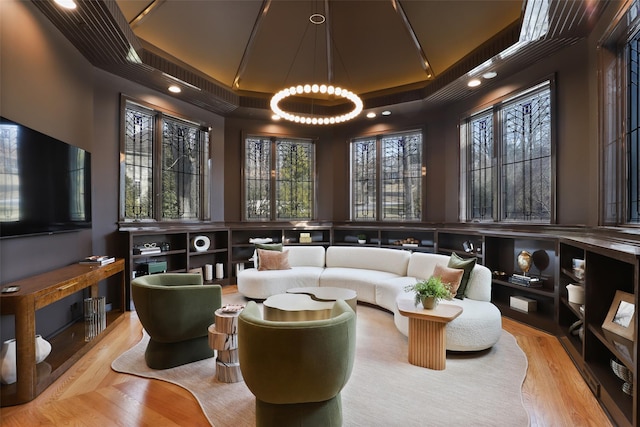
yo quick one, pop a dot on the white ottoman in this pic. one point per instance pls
(478, 327)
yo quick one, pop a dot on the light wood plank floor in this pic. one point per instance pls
(91, 394)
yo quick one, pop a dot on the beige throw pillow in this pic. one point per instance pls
(273, 260)
(449, 276)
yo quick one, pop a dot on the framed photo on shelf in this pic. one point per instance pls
(621, 317)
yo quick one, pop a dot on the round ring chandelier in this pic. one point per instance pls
(314, 88)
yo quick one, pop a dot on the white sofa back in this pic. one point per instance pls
(306, 256)
(380, 259)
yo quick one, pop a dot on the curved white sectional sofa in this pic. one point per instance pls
(379, 276)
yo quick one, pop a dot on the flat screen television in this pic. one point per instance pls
(45, 184)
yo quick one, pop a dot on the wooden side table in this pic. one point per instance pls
(427, 333)
(223, 337)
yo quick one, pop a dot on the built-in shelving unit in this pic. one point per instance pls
(177, 252)
(610, 266)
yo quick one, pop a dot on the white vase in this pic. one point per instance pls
(8, 362)
(43, 348)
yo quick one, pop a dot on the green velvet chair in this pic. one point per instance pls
(176, 310)
(297, 370)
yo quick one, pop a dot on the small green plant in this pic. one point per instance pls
(362, 237)
(432, 287)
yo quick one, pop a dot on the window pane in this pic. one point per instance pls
(363, 179)
(9, 176)
(526, 158)
(257, 179)
(183, 151)
(138, 152)
(633, 129)
(294, 180)
(401, 166)
(481, 170)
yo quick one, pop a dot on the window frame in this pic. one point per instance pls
(159, 113)
(379, 176)
(613, 106)
(496, 108)
(273, 184)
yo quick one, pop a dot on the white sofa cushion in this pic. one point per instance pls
(361, 280)
(381, 259)
(262, 284)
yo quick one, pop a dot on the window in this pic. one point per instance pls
(279, 179)
(507, 160)
(166, 167)
(633, 129)
(386, 177)
(619, 56)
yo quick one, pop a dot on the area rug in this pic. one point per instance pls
(479, 389)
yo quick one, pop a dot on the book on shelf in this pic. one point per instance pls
(146, 251)
(527, 281)
(98, 260)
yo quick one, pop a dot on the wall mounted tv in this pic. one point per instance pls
(45, 184)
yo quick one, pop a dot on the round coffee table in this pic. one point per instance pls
(295, 307)
(328, 293)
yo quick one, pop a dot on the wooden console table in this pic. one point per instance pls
(69, 345)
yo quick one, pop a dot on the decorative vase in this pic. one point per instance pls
(8, 364)
(43, 348)
(429, 302)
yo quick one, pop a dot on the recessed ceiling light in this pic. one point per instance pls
(67, 4)
(275, 117)
(371, 115)
(174, 89)
(386, 113)
(489, 74)
(474, 82)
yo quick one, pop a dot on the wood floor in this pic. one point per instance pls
(91, 394)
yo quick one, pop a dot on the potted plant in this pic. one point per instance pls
(362, 238)
(429, 292)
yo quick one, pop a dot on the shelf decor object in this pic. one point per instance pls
(201, 243)
(524, 262)
(95, 320)
(621, 316)
(8, 362)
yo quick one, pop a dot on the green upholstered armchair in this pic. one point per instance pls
(297, 370)
(176, 310)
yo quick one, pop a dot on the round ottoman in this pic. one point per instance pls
(477, 328)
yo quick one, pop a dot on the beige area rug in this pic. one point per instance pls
(481, 389)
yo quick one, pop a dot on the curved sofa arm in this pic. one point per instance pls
(296, 362)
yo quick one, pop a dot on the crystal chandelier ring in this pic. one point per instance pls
(315, 89)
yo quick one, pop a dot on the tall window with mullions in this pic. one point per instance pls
(633, 130)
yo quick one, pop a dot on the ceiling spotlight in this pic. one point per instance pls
(275, 117)
(474, 83)
(371, 115)
(174, 89)
(67, 4)
(489, 74)
(386, 113)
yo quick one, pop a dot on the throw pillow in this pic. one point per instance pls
(467, 264)
(267, 247)
(449, 276)
(273, 260)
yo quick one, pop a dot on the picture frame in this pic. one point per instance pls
(621, 316)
